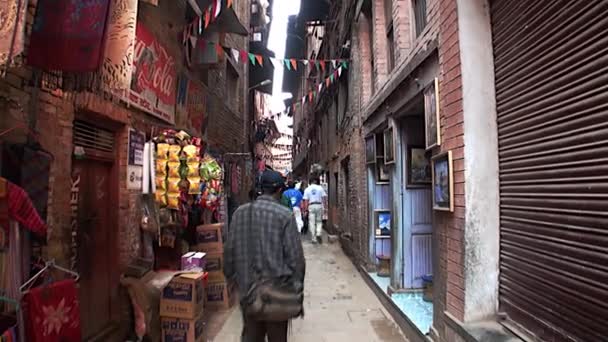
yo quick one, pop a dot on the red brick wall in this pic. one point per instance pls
(451, 225)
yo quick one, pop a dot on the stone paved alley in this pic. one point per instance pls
(339, 305)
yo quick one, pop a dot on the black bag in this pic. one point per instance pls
(270, 300)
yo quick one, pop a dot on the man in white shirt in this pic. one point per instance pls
(314, 197)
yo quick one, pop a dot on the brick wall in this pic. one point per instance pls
(379, 43)
(450, 226)
(402, 27)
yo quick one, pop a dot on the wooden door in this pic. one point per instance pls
(95, 245)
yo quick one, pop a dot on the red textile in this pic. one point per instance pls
(68, 35)
(52, 313)
(21, 209)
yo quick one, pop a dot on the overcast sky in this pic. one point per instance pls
(281, 11)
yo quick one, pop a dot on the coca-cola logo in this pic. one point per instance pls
(154, 68)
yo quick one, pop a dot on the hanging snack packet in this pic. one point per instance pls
(174, 169)
(161, 183)
(161, 167)
(174, 152)
(192, 153)
(173, 185)
(173, 201)
(162, 150)
(194, 187)
(161, 198)
(193, 170)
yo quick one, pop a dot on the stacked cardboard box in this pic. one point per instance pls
(219, 292)
(181, 308)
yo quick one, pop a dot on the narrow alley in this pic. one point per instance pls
(339, 305)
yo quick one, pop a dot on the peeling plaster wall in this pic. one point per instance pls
(481, 235)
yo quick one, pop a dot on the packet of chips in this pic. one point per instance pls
(173, 201)
(193, 170)
(194, 188)
(174, 169)
(192, 153)
(161, 167)
(162, 150)
(161, 198)
(173, 185)
(161, 183)
(174, 152)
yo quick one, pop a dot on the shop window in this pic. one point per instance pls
(419, 16)
(342, 98)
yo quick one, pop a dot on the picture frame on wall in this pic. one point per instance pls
(443, 182)
(382, 172)
(419, 170)
(383, 223)
(389, 146)
(431, 115)
(370, 149)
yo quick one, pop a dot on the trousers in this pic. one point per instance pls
(256, 331)
(315, 220)
(298, 214)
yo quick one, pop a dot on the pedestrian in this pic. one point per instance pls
(263, 243)
(314, 199)
(294, 198)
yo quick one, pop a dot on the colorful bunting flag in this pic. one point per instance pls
(243, 56)
(220, 51)
(260, 59)
(333, 63)
(229, 3)
(251, 58)
(235, 54)
(287, 64)
(294, 63)
(339, 71)
(322, 65)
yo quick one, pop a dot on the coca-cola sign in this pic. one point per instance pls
(153, 87)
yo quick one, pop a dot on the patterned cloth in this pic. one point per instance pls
(67, 35)
(20, 208)
(53, 313)
(12, 29)
(117, 65)
(277, 249)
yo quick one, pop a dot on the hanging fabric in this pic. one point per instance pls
(52, 312)
(68, 35)
(19, 208)
(12, 33)
(118, 59)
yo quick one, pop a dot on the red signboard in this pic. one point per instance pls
(153, 87)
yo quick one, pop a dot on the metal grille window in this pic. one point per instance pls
(419, 16)
(95, 141)
(551, 69)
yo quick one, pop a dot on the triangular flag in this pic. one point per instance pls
(243, 56)
(339, 71)
(304, 100)
(320, 87)
(287, 64)
(294, 64)
(274, 62)
(333, 63)
(310, 96)
(327, 82)
(252, 58)
(317, 65)
(260, 59)
(305, 62)
(220, 50)
(345, 65)
(322, 65)
(229, 3)
(207, 18)
(235, 54)
(200, 25)
(331, 78)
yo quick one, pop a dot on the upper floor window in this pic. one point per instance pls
(419, 16)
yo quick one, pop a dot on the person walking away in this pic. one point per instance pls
(294, 198)
(263, 240)
(314, 197)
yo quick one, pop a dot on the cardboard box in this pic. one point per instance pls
(184, 296)
(209, 238)
(220, 295)
(194, 260)
(182, 330)
(215, 267)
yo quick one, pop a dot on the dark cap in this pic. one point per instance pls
(272, 180)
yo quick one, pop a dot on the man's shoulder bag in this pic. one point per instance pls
(270, 299)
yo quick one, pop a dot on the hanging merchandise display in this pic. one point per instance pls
(12, 32)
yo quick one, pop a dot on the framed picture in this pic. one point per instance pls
(382, 172)
(370, 149)
(431, 115)
(382, 223)
(418, 167)
(389, 146)
(443, 182)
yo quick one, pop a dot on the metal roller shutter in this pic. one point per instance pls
(551, 67)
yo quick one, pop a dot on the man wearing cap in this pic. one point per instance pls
(263, 238)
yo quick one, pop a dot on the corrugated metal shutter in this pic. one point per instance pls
(551, 64)
(97, 142)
